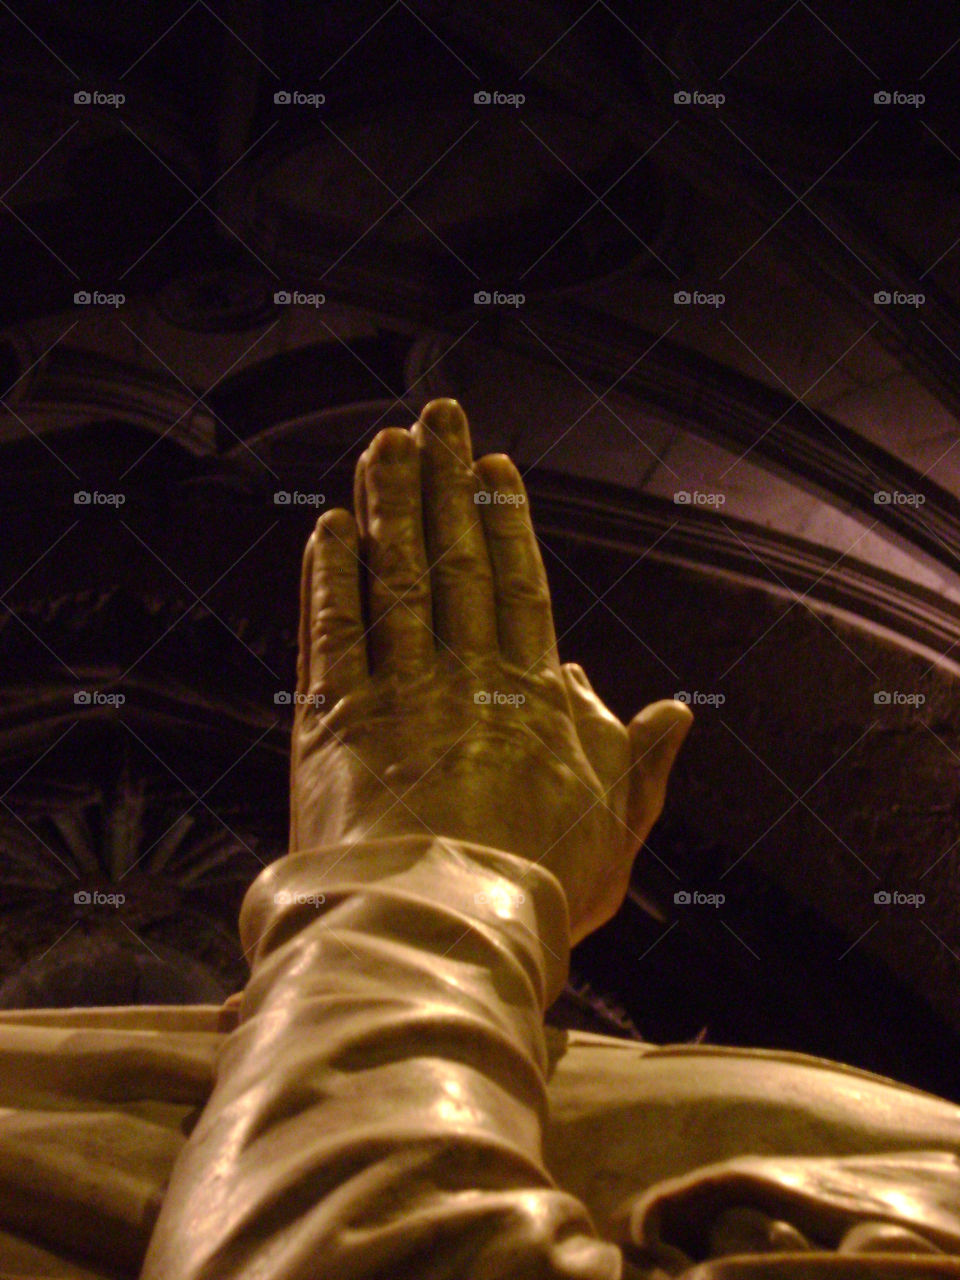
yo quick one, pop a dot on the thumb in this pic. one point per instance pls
(656, 735)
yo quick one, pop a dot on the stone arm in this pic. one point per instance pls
(379, 1110)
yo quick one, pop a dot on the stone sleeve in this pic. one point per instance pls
(379, 1110)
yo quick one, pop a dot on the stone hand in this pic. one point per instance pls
(430, 693)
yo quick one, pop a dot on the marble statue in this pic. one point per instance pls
(383, 1099)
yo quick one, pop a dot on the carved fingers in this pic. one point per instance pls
(523, 610)
(398, 580)
(461, 575)
(333, 653)
(450, 564)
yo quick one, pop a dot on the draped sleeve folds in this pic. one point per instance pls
(380, 1109)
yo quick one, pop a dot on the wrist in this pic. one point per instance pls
(509, 899)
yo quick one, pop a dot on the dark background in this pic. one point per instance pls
(812, 422)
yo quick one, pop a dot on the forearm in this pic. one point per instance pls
(379, 1111)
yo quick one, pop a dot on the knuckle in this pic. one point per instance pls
(460, 585)
(334, 629)
(463, 562)
(404, 585)
(521, 589)
(398, 560)
(333, 578)
(333, 570)
(458, 483)
(392, 513)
